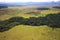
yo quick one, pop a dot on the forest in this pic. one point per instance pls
(51, 20)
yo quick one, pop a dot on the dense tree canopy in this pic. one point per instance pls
(51, 20)
(3, 6)
(43, 8)
(58, 7)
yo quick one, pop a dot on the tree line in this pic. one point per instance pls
(51, 20)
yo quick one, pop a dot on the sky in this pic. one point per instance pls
(27, 0)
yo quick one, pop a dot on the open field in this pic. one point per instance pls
(26, 12)
(28, 32)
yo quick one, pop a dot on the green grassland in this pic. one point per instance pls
(25, 32)
(25, 12)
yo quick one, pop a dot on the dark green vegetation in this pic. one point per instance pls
(43, 8)
(58, 7)
(3, 7)
(51, 20)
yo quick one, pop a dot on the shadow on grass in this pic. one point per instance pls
(51, 20)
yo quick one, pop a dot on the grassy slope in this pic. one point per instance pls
(23, 32)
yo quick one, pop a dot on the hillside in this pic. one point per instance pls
(29, 32)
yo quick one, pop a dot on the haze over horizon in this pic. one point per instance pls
(7, 1)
